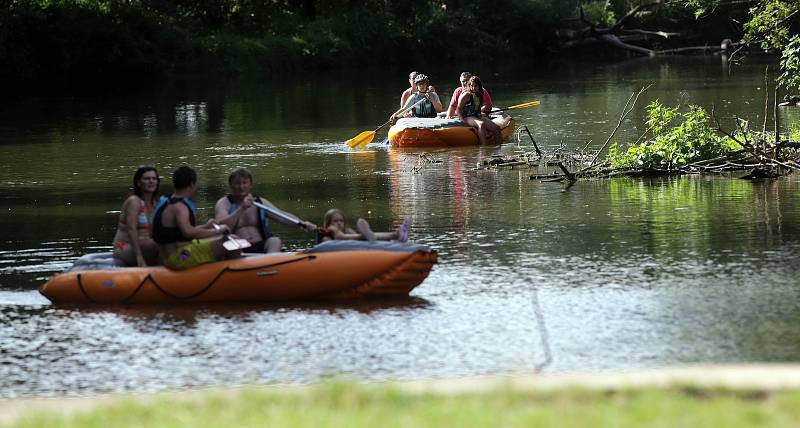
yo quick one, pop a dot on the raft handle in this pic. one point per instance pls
(267, 273)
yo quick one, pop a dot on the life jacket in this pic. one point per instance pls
(162, 234)
(263, 223)
(423, 109)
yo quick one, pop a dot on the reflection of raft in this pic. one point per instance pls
(331, 270)
(437, 132)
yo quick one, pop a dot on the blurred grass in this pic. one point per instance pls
(341, 404)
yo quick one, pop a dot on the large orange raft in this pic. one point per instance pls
(441, 132)
(331, 270)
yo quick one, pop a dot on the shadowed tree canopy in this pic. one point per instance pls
(772, 25)
(93, 40)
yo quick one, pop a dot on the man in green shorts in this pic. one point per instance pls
(182, 242)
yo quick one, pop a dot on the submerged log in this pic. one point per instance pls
(790, 100)
(760, 173)
(568, 175)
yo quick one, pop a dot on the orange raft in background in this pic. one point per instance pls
(441, 132)
(331, 270)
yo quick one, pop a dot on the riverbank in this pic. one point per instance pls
(730, 396)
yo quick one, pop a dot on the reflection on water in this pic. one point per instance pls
(616, 273)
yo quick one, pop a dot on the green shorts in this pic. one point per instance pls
(194, 253)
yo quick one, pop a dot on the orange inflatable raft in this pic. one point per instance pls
(441, 132)
(331, 270)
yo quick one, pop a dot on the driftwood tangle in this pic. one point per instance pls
(634, 40)
(762, 157)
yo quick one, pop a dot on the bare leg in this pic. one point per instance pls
(149, 251)
(385, 236)
(402, 231)
(492, 128)
(273, 245)
(219, 252)
(363, 228)
(126, 254)
(477, 123)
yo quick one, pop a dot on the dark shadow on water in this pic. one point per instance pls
(190, 313)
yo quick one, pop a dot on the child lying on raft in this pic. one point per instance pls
(334, 227)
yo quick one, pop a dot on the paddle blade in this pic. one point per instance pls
(528, 104)
(233, 244)
(361, 139)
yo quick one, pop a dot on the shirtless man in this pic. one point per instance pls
(247, 221)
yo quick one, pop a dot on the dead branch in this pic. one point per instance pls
(625, 112)
(613, 40)
(775, 119)
(568, 175)
(689, 49)
(651, 33)
(535, 146)
(766, 99)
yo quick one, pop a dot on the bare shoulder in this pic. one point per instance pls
(223, 202)
(132, 201)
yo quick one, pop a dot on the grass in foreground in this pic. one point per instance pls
(351, 405)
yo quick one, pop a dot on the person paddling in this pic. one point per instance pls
(413, 88)
(236, 210)
(183, 243)
(422, 103)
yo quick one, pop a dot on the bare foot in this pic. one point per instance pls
(402, 231)
(363, 228)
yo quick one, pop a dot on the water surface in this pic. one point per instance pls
(607, 274)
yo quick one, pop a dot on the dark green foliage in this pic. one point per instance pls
(68, 40)
(677, 138)
(770, 24)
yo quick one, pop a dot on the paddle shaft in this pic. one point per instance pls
(279, 215)
(530, 104)
(399, 112)
(366, 137)
(405, 109)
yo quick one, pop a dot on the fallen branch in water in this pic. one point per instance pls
(625, 112)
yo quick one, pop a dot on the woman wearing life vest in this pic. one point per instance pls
(469, 110)
(132, 242)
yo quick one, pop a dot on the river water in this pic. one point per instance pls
(608, 274)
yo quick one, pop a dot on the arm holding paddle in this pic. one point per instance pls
(222, 215)
(366, 137)
(286, 218)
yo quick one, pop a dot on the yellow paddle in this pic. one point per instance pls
(523, 105)
(366, 137)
